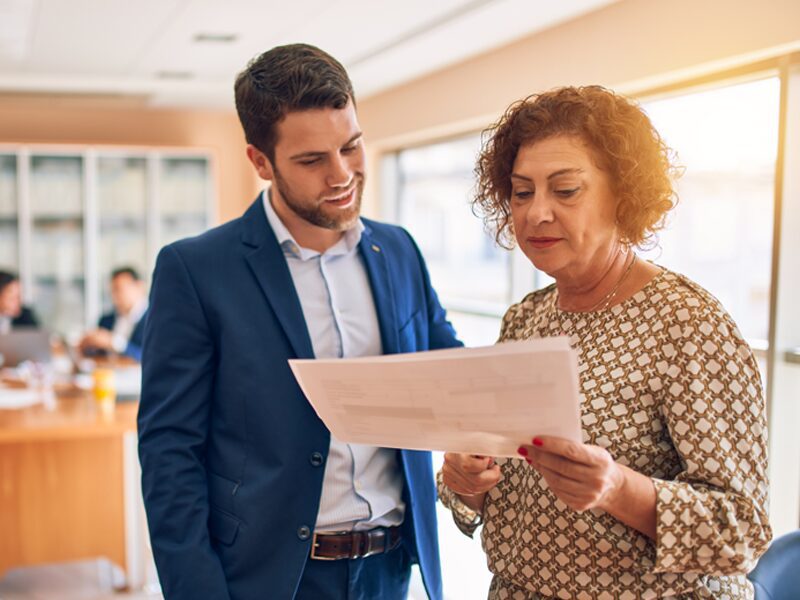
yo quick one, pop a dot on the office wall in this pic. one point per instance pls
(630, 45)
(119, 122)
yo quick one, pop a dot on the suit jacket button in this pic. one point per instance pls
(303, 532)
(316, 459)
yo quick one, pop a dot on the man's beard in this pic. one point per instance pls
(314, 212)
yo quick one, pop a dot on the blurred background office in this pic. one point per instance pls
(118, 135)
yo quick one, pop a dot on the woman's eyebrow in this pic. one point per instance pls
(565, 172)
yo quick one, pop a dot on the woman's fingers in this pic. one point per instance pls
(468, 475)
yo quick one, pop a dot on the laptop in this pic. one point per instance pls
(20, 345)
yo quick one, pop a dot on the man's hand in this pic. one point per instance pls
(97, 338)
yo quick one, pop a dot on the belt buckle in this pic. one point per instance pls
(314, 554)
(369, 550)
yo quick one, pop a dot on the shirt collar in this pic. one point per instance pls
(290, 247)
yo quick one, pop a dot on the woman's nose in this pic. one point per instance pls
(539, 211)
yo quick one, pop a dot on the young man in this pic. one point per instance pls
(247, 493)
(120, 331)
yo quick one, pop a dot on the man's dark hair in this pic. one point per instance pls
(285, 79)
(7, 278)
(126, 271)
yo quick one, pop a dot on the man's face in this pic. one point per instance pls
(126, 292)
(318, 168)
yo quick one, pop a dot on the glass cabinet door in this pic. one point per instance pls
(122, 218)
(9, 230)
(183, 198)
(57, 260)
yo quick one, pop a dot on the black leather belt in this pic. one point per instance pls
(354, 544)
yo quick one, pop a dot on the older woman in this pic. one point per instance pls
(666, 496)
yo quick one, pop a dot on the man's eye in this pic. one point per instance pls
(310, 161)
(349, 149)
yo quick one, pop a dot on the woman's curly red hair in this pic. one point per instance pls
(621, 137)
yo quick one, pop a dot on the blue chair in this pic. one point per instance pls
(777, 574)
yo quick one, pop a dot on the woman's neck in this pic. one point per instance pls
(599, 287)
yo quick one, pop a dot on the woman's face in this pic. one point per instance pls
(563, 208)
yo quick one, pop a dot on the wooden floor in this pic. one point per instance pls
(85, 580)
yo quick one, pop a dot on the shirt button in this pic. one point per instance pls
(316, 459)
(303, 532)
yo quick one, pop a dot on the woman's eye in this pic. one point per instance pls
(523, 194)
(566, 193)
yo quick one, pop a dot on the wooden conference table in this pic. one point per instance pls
(69, 484)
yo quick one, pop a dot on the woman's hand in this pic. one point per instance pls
(585, 477)
(581, 476)
(470, 476)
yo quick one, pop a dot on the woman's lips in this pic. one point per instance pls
(543, 242)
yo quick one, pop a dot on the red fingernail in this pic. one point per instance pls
(529, 461)
(522, 450)
(537, 442)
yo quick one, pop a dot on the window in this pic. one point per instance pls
(720, 233)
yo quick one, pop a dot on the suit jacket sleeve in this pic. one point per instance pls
(177, 391)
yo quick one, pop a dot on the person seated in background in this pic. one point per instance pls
(122, 330)
(666, 494)
(12, 312)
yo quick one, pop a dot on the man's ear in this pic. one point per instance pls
(260, 161)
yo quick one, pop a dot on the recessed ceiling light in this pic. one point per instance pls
(175, 75)
(215, 38)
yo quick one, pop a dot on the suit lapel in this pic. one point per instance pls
(378, 271)
(265, 258)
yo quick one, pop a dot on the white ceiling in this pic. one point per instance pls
(148, 48)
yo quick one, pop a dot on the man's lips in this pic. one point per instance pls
(343, 199)
(542, 241)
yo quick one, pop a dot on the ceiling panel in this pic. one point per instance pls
(486, 27)
(258, 26)
(111, 46)
(87, 37)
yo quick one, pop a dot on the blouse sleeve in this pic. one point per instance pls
(712, 516)
(466, 519)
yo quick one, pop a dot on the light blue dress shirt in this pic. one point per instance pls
(363, 485)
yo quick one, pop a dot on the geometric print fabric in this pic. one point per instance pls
(670, 388)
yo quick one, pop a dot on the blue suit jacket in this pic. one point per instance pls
(226, 437)
(134, 347)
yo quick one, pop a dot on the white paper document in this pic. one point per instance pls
(475, 400)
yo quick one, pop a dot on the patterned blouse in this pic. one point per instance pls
(672, 390)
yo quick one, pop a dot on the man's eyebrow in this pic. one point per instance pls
(314, 154)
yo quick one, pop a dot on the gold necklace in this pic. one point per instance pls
(605, 301)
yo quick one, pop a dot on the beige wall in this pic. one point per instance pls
(119, 123)
(630, 46)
